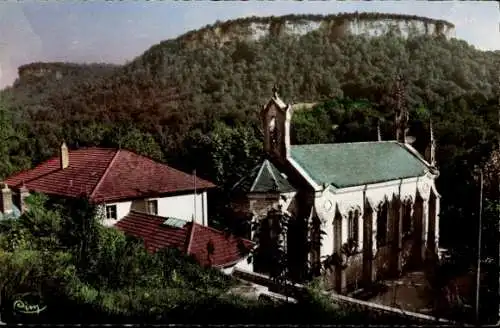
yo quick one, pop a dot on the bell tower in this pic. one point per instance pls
(276, 117)
(431, 148)
(401, 112)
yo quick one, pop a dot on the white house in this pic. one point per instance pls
(381, 195)
(117, 180)
(152, 201)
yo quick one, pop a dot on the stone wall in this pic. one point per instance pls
(261, 206)
(240, 207)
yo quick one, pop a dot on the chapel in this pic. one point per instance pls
(368, 210)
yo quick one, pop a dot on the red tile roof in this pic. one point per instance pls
(106, 175)
(191, 239)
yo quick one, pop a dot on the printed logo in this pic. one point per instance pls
(28, 303)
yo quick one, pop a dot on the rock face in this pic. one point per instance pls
(36, 71)
(334, 26)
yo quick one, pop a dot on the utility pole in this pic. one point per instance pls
(1, 307)
(478, 274)
(498, 185)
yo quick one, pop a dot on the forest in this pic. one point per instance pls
(197, 108)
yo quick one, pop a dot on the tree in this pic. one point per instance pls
(340, 260)
(60, 250)
(130, 137)
(270, 254)
(33, 259)
(12, 142)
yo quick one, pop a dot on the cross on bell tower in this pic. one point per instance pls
(275, 91)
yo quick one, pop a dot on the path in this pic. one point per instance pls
(409, 292)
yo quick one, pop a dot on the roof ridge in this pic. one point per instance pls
(51, 158)
(155, 216)
(258, 175)
(346, 143)
(270, 169)
(414, 153)
(98, 184)
(256, 168)
(198, 179)
(190, 240)
(24, 181)
(28, 170)
(92, 147)
(147, 214)
(220, 231)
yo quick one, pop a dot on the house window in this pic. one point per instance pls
(111, 212)
(382, 225)
(152, 206)
(353, 228)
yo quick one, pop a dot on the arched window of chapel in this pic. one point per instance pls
(273, 131)
(353, 225)
(382, 218)
(407, 220)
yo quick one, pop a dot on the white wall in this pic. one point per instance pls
(180, 206)
(354, 198)
(122, 209)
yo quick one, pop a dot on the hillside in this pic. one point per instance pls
(177, 85)
(164, 99)
(39, 83)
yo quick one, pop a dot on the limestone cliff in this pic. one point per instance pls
(334, 26)
(57, 71)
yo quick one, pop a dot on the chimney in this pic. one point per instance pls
(64, 156)
(6, 201)
(23, 194)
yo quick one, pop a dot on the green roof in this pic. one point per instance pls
(263, 179)
(353, 164)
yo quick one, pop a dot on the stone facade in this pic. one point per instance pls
(393, 222)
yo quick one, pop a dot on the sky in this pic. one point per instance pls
(118, 31)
